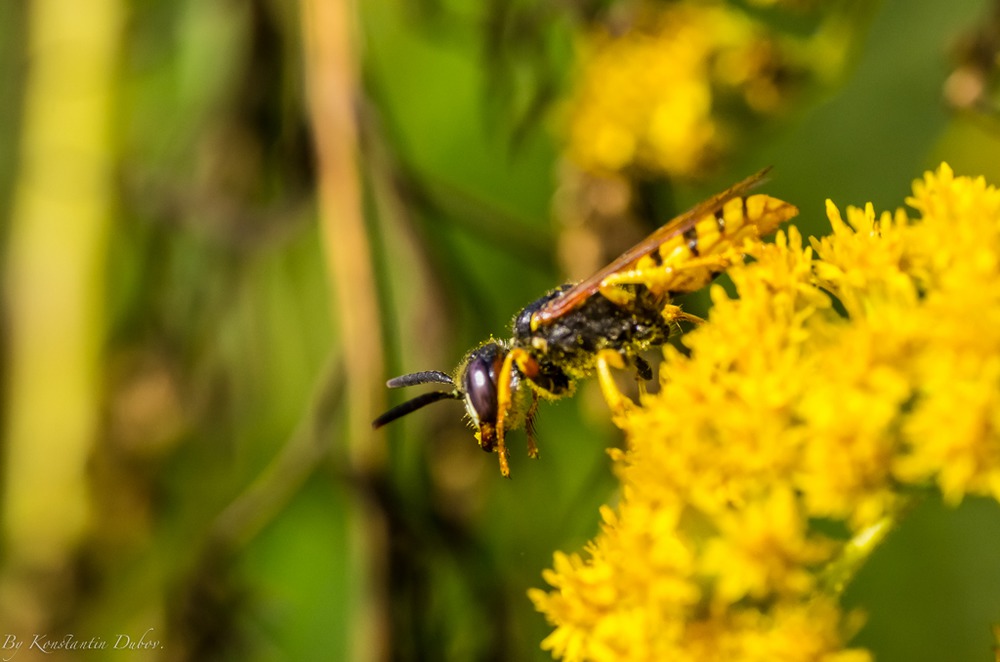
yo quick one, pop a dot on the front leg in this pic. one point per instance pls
(529, 368)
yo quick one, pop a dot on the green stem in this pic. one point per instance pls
(838, 573)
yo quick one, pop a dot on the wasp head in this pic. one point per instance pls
(476, 384)
(479, 376)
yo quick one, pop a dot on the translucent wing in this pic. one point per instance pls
(579, 293)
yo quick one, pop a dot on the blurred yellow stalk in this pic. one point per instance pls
(331, 72)
(54, 292)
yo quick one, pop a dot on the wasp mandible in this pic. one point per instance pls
(603, 322)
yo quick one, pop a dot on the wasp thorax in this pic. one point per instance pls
(480, 382)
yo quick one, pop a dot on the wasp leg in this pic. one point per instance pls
(616, 294)
(619, 402)
(528, 367)
(643, 370)
(503, 404)
(690, 275)
(529, 427)
(673, 314)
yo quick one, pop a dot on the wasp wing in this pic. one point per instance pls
(579, 293)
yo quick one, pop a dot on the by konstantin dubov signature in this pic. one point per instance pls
(12, 644)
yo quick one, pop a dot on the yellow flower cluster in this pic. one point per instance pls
(647, 98)
(848, 374)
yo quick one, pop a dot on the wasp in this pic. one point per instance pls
(603, 322)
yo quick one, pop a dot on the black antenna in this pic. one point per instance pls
(414, 404)
(426, 377)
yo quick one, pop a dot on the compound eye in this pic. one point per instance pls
(481, 387)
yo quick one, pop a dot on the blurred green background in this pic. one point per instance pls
(196, 330)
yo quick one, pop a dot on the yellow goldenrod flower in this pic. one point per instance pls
(646, 98)
(844, 377)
